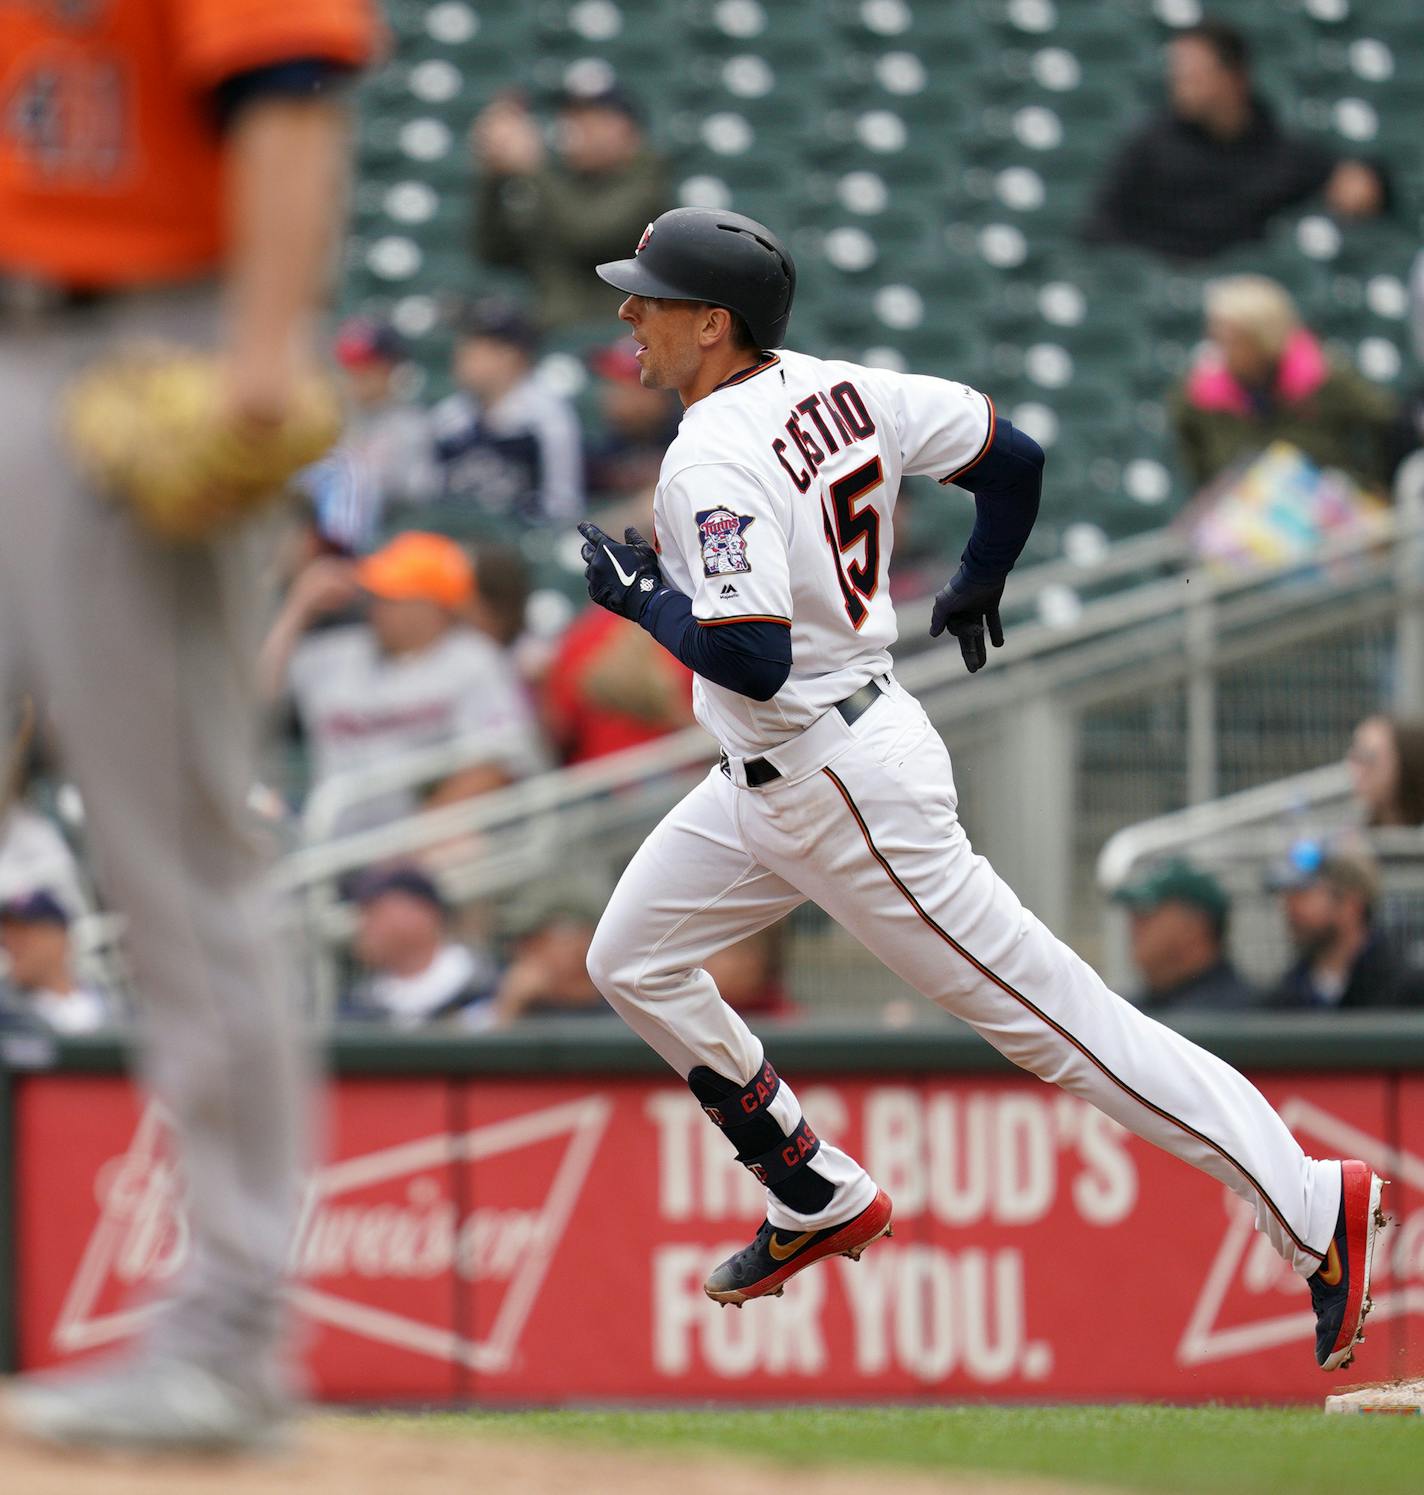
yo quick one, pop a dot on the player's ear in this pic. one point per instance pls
(716, 325)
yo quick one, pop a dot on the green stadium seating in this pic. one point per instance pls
(928, 161)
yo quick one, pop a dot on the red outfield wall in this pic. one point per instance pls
(542, 1240)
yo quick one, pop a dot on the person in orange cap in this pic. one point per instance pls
(411, 673)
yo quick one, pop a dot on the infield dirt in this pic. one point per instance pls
(337, 1456)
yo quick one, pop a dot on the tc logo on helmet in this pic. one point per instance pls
(643, 242)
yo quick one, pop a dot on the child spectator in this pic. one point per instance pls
(506, 443)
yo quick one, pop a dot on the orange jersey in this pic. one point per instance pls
(110, 160)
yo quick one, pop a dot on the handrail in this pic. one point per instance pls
(939, 671)
(334, 796)
(1164, 834)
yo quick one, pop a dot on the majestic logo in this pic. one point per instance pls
(724, 545)
(370, 1227)
(728, 591)
(1252, 1301)
(643, 242)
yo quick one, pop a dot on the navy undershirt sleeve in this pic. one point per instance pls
(752, 658)
(299, 77)
(1006, 483)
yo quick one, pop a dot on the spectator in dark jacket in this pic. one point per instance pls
(1214, 168)
(556, 219)
(1329, 897)
(1179, 918)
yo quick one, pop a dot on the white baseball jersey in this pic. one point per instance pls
(777, 501)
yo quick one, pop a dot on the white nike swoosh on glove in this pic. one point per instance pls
(622, 574)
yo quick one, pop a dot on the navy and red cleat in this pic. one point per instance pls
(1340, 1288)
(762, 1269)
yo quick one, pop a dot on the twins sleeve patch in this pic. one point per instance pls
(724, 545)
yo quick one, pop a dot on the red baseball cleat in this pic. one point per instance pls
(1340, 1289)
(762, 1269)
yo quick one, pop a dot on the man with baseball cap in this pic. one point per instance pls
(1329, 895)
(34, 938)
(1179, 917)
(556, 215)
(413, 973)
(413, 674)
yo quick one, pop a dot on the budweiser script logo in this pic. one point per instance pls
(142, 1236)
(1252, 1301)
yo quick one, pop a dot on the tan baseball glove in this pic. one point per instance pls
(148, 427)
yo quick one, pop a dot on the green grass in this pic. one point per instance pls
(1175, 1450)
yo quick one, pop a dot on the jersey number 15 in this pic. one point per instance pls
(846, 527)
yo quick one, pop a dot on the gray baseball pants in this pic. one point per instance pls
(142, 653)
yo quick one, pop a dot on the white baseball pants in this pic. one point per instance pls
(864, 822)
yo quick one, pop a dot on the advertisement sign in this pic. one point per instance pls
(529, 1240)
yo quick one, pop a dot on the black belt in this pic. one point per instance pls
(760, 771)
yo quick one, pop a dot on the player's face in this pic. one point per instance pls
(669, 354)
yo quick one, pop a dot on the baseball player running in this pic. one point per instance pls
(171, 169)
(774, 523)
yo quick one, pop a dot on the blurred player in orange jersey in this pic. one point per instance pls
(174, 169)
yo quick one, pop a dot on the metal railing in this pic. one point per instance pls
(1027, 733)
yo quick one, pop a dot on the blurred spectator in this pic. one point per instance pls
(414, 675)
(611, 686)
(1386, 759)
(1264, 377)
(1213, 168)
(548, 975)
(1179, 918)
(1329, 899)
(751, 974)
(384, 456)
(413, 972)
(637, 424)
(34, 936)
(555, 220)
(33, 852)
(501, 592)
(505, 442)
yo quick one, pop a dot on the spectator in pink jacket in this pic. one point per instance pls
(1264, 376)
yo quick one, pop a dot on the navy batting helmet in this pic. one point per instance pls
(727, 259)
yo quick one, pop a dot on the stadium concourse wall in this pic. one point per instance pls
(526, 1219)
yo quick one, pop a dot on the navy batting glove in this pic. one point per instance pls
(969, 609)
(622, 578)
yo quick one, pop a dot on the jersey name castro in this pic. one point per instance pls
(777, 502)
